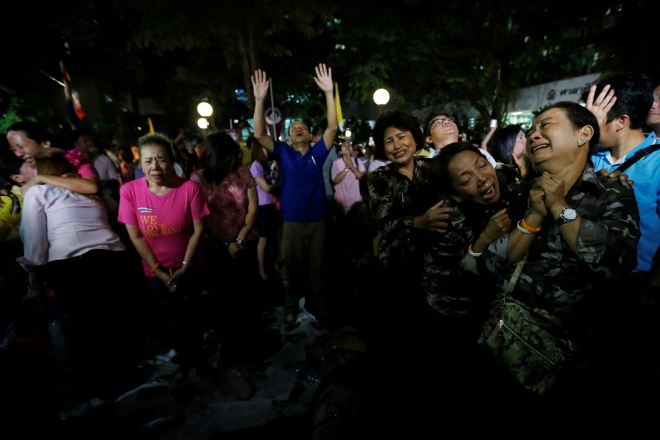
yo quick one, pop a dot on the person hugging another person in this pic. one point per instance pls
(67, 242)
(401, 203)
(26, 138)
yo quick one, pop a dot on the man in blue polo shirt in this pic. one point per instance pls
(621, 104)
(303, 199)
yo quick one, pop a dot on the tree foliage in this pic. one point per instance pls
(454, 55)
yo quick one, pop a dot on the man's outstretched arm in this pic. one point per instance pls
(260, 86)
(323, 79)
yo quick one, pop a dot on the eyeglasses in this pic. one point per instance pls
(441, 121)
(656, 97)
(298, 127)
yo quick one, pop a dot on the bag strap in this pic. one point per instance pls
(514, 277)
(641, 154)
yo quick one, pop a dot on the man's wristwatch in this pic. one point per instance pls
(567, 215)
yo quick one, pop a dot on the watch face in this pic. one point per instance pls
(569, 214)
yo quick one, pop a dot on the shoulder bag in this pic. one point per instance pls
(530, 342)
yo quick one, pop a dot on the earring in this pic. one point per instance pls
(581, 141)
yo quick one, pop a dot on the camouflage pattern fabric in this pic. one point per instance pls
(571, 284)
(394, 201)
(531, 343)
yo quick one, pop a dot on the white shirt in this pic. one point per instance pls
(434, 152)
(105, 167)
(58, 224)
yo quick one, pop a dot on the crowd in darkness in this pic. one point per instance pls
(412, 240)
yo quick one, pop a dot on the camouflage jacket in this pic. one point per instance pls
(394, 201)
(455, 282)
(555, 278)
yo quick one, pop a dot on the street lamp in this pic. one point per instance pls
(381, 97)
(205, 110)
(203, 123)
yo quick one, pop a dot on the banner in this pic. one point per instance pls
(74, 109)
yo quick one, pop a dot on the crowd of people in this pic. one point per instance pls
(424, 228)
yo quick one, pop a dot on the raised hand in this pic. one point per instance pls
(323, 78)
(260, 84)
(601, 104)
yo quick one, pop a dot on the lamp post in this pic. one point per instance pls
(381, 97)
(205, 110)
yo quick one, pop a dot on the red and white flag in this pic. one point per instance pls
(74, 109)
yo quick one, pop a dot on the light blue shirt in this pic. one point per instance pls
(646, 176)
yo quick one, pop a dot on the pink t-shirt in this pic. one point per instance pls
(166, 221)
(347, 192)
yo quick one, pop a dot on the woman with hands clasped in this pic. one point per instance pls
(164, 215)
(579, 235)
(346, 173)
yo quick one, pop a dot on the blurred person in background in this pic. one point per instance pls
(507, 146)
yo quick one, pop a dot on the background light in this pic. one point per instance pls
(381, 96)
(203, 123)
(204, 109)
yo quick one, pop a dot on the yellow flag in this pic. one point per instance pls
(151, 126)
(340, 117)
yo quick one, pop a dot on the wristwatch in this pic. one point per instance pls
(567, 215)
(239, 242)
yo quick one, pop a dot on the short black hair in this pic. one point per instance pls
(634, 97)
(401, 119)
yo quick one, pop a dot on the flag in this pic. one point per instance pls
(340, 117)
(151, 126)
(76, 113)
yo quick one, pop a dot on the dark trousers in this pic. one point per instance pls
(103, 322)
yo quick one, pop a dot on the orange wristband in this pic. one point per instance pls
(524, 224)
(154, 267)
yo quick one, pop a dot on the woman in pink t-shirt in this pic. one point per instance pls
(164, 215)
